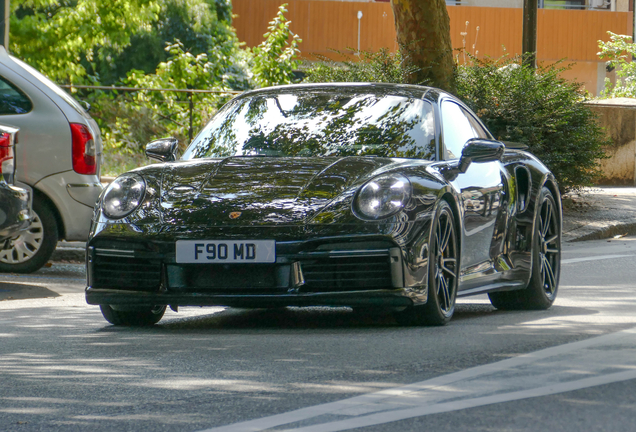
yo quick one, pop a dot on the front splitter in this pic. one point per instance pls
(385, 298)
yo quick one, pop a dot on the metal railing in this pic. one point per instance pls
(189, 92)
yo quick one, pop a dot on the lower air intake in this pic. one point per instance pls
(347, 273)
(126, 273)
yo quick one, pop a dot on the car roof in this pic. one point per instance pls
(418, 91)
(65, 102)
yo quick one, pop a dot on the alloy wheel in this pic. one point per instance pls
(26, 245)
(445, 254)
(549, 247)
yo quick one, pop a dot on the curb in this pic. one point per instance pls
(68, 255)
(608, 232)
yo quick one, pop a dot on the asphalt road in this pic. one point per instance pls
(571, 368)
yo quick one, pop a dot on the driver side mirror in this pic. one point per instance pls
(480, 150)
(163, 150)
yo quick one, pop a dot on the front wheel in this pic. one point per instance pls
(546, 261)
(443, 265)
(143, 316)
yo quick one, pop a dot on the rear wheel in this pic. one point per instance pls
(443, 262)
(546, 262)
(34, 246)
(142, 316)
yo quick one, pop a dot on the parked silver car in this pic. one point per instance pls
(59, 157)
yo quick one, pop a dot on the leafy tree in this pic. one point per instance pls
(202, 26)
(130, 121)
(369, 66)
(423, 34)
(63, 37)
(619, 51)
(539, 108)
(275, 59)
(99, 41)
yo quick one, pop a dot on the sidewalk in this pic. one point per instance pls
(592, 214)
(599, 213)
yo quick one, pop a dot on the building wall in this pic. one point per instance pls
(493, 3)
(326, 25)
(618, 118)
(621, 5)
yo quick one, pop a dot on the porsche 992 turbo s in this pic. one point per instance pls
(359, 195)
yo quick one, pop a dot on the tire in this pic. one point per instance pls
(443, 260)
(33, 248)
(546, 262)
(133, 317)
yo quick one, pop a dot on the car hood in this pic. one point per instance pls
(262, 190)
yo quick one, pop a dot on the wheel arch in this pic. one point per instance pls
(454, 205)
(39, 195)
(552, 186)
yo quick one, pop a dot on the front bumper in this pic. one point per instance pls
(306, 273)
(384, 298)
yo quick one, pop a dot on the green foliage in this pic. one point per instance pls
(276, 58)
(129, 121)
(99, 41)
(619, 51)
(540, 109)
(199, 26)
(381, 66)
(62, 37)
(519, 104)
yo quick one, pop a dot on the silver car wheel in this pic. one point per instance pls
(26, 245)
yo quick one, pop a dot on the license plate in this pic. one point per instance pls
(226, 251)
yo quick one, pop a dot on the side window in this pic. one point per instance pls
(477, 127)
(12, 100)
(456, 129)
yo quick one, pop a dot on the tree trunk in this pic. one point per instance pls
(529, 33)
(423, 35)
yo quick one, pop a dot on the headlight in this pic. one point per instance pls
(382, 197)
(123, 195)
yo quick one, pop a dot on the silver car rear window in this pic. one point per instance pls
(12, 100)
(53, 87)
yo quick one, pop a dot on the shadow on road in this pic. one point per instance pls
(16, 291)
(341, 319)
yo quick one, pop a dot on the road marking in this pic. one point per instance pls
(546, 372)
(388, 417)
(594, 258)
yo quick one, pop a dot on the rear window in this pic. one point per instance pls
(53, 87)
(12, 100)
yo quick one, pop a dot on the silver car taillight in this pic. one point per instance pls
(6, 156)
(84, 152)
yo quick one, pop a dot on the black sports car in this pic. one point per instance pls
(359, 195)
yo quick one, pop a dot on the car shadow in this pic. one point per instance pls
(18, 291)
(295, 318)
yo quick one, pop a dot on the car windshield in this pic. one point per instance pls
(319, 123)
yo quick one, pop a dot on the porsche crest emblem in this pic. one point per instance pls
(235, 215)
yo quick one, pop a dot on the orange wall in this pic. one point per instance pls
(322, 25)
